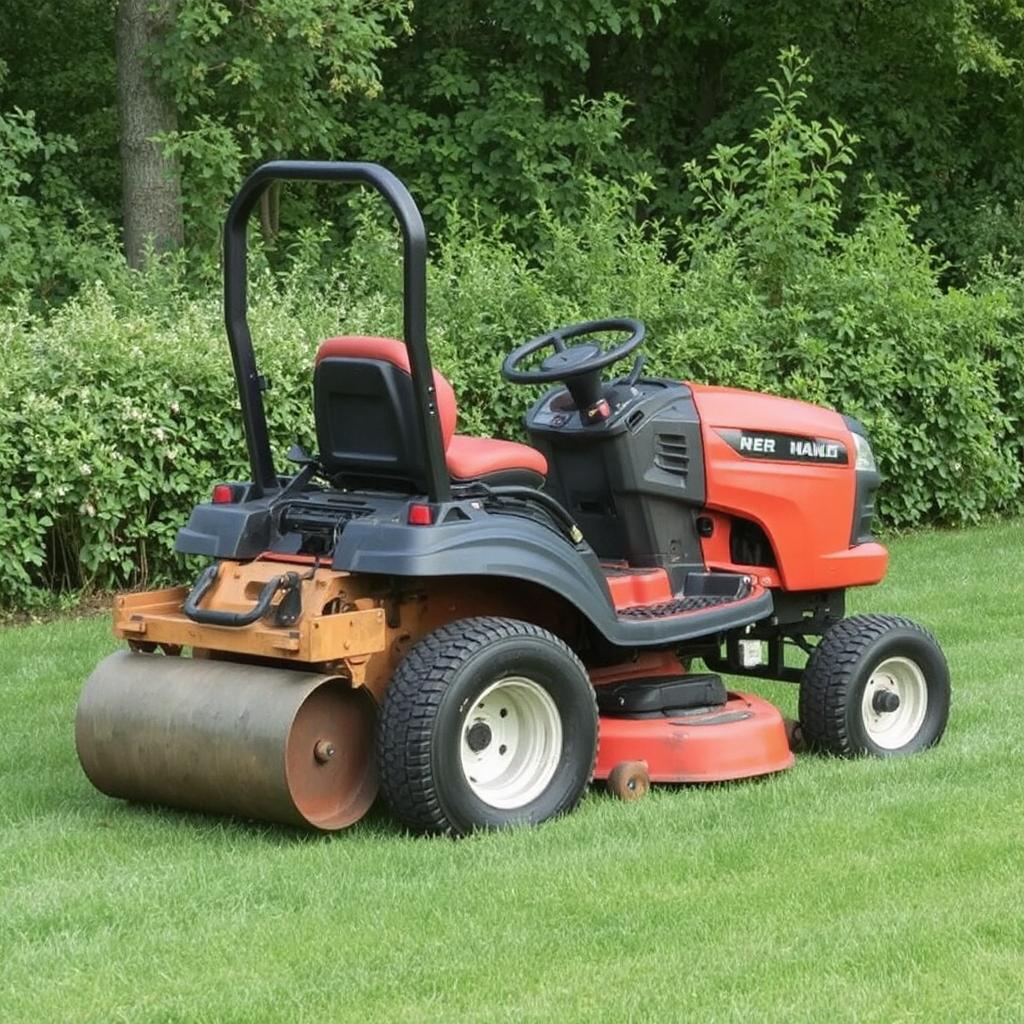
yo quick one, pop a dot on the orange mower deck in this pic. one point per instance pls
(741, 739)
(744, 738)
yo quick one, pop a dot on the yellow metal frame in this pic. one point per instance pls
(358, 626)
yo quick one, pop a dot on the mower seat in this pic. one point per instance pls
(366, 426)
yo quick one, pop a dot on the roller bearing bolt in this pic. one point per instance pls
(324, 751)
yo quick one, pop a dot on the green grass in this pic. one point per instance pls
(839, 891)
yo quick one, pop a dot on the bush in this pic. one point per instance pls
(115, 419)
(119, 412)
(50, 241)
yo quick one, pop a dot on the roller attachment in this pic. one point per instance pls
(275, 744)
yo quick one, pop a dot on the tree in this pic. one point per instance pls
(483, 100)
(151, 183)
(261, 79)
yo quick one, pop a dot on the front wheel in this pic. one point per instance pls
(876, 684)
(488, 722)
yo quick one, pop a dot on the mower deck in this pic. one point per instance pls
(665, 724)
(741, 739)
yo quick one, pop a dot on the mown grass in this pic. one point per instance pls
(840, 891)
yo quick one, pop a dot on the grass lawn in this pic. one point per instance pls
(839, 891)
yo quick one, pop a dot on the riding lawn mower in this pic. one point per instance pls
(478, 627)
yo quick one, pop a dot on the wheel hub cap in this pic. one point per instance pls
(895, 703)
(885, 701)
(478, 737)
(511, 743)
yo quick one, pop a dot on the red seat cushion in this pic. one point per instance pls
(468, 457)
(472, 457)
(389, 350)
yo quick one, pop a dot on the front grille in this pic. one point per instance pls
(670, 454)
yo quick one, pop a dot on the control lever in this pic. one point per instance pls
(298, 455)
(634, 374)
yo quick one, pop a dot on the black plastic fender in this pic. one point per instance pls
(518, 548)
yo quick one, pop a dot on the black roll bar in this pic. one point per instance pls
(251, 386)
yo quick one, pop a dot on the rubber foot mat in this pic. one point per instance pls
(677, 607)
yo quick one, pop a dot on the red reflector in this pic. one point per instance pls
(420, 515)
(223, 494)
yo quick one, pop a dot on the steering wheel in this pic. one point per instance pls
(578, 366)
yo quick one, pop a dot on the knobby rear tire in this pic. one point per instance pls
(426, 727)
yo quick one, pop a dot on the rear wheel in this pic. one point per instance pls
(488, 722)
(876, 684)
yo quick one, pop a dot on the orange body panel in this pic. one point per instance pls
(629, 589)
(805, 509)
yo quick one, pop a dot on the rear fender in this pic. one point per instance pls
(515, 548)
(506, 546)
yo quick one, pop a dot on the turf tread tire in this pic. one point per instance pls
(833, 670)
(410, 708)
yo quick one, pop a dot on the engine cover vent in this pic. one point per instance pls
(670, 454)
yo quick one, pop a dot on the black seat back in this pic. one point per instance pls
(366, 423)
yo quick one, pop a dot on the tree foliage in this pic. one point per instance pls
(504, 103)
(259, 79)
(933, 87)
(47, 232)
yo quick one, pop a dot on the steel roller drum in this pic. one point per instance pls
(255, 742)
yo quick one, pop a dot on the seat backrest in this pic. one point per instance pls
(365, 412)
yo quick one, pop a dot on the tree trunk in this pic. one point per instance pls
(270, 212)
(710, 85)
(151, 182)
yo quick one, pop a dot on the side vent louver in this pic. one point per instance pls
(670, 454)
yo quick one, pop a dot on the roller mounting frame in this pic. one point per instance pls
(350, 624)
(338, 619)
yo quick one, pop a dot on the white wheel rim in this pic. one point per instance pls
(511, 742)
(902, 678)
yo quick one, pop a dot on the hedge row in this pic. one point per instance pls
(119, 413)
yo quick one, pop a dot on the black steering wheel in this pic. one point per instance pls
(578, 366)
